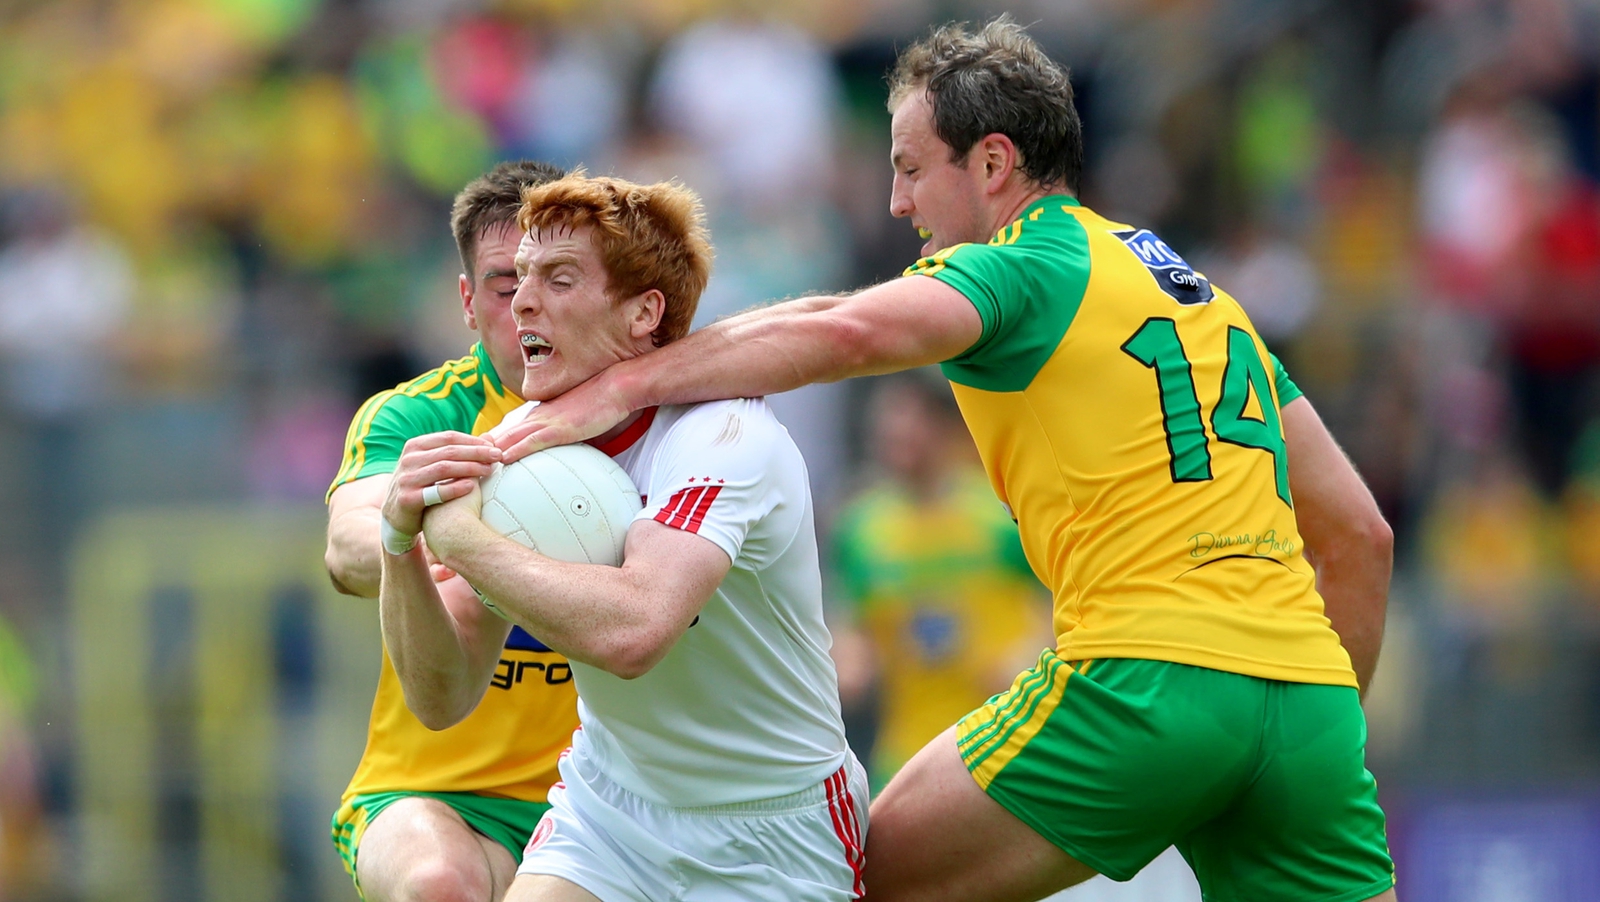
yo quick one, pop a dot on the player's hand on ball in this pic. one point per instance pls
(434, 469)
(455, 523)
(582, 413)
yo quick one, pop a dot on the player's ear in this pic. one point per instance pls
(468, 315)
(645, 312)
(998, 157)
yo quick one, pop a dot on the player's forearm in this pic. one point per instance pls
(436, 667)
(760, 352)
(1353, 578)
(1347, 540)
(353, 556)
(600, 616)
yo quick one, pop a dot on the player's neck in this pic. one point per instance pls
(618, 429)
(1011, 203)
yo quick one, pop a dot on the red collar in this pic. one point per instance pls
(625, 439)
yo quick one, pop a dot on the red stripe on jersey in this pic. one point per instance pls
(676, 511)
(700, 509)
(624, 440)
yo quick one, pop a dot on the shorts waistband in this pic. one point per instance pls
(805, 800)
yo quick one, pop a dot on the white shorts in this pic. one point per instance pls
(803, 847)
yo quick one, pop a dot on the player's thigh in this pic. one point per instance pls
(420, 849)
(547, 888)
(1309, 826)
(936, 836)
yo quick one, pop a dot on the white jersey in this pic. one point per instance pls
(745, 705)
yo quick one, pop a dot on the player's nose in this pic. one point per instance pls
(900, 205)
(525, 301)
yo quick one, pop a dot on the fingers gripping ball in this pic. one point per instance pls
(571, 503)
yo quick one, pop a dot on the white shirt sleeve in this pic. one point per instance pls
(729, 472)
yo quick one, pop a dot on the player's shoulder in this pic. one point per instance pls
(730, 422)
(1035, 241)
(453, 387)
(737, 427)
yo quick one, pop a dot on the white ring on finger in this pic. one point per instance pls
(430, 496)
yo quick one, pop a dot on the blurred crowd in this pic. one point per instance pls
(223, 225)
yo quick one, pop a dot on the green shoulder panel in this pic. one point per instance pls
(1287, 390)
(448, 397)
(1026, 283)
(851, 560)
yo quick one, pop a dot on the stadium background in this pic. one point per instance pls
(222, 224)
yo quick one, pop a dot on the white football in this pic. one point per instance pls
(570, 502)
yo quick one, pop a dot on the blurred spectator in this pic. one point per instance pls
(929, 569)
(65, 292)
(1273, 279)
(1489, 542)
(757, 99)
(570, 107)
(1475, 196)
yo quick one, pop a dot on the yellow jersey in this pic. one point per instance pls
(509, 745)
(1126, 413)
(943, 593)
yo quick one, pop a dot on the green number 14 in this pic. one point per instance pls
(1156, 345)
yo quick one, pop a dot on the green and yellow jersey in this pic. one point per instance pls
(942, 591)
(508, 746)
(1126, 412)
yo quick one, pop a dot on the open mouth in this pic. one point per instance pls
(534, 348)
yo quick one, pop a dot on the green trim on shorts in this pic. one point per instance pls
(509, 822)
(1261, 784)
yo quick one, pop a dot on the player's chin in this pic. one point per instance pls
(538, 385)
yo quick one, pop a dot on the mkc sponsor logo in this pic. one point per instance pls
(1172, 274)
(510, 673)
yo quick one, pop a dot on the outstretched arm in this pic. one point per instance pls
(622, 620)
(905, 323)
(1347, 539)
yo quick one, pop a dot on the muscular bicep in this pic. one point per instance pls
(909, 322)
(677, 571)
(1329, 496)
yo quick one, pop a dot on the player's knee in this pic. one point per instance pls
(439, 879)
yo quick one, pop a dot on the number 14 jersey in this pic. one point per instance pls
(1127, 415)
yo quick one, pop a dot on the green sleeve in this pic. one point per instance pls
(382, 427)
(1026, 293)
(850, 565)
(1287, 390)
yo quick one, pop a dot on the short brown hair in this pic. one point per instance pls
(996, 80)
(493, 199)
(648, 236)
